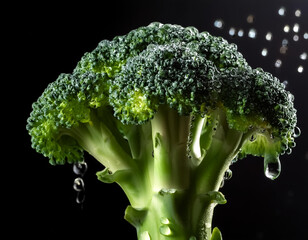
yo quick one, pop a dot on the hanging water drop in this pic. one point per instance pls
(272, 166)
(165, 230)
(164, 220)
(80, 168)
(228, 174)
(297, 132)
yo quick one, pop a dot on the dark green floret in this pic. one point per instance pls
(166, 110)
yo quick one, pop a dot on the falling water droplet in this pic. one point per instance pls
(228, 174)
(78, 184)
(252, 33)
(232, 31)
(272, 166)
(240, 33)
(305, 35)
(303, 56)
(300, 69)
(286, 28)
(282, 11)
(145, 236)
(298, 13)
(297, 132)
(295, 38)
(219, 23)
(269, 36)
(165, 230)
(264, 52)
(80, 168)
(80, 197)
(296, 28)
(250, 18)
(278, 63)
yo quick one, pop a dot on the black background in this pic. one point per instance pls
(47, 39)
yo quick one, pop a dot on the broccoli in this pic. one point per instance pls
(166, 110)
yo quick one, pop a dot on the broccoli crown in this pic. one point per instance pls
(160, 64)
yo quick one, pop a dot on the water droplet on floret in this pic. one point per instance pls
(272, 166)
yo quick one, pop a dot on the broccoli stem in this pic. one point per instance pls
(183, 191)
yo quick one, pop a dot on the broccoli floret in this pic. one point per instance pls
(166, 110)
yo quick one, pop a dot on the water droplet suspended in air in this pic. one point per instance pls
(232, 31)
(252, 33)
(305, 35)
(269, 36)
(300, 69)
(219, 23)
(264, 52)
(272, 166)
(145, 236)
(80, 168)
(282, 11)
(240, 33)
(298, 13)
(165, 230)
(285, 42)
(303, 56)
(78, 184)
(278, 63)
(296, 28)
(295, 38)
(286, 28)
(250, 18)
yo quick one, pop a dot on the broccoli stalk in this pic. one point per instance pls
(166, 110)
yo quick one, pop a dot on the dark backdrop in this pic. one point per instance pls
(46, 39)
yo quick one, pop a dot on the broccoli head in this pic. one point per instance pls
(166, 110)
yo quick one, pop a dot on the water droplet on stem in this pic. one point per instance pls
(165, 230)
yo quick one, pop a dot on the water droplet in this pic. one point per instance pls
(252, 33)
(296, 28)
(78, 184)
(240, 33)
(289, 151)
(300, 69)
(250, 18)
(285, 42)
(282, 11)
(297, 132)
(278, 63)
(232, 31)
(80, 197)
(295, 38)
(283, 49)
(286, 28)
(219, 23)
(145, 236)
(192, 238)
(272, 166)
(165, 230)
(80, 168)
(264, 52)
(228, 174)
(305, 35)
(303, 56)
(285, 82)
(269, 36)
(298, 13)
(222, 184)
(164, 220)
